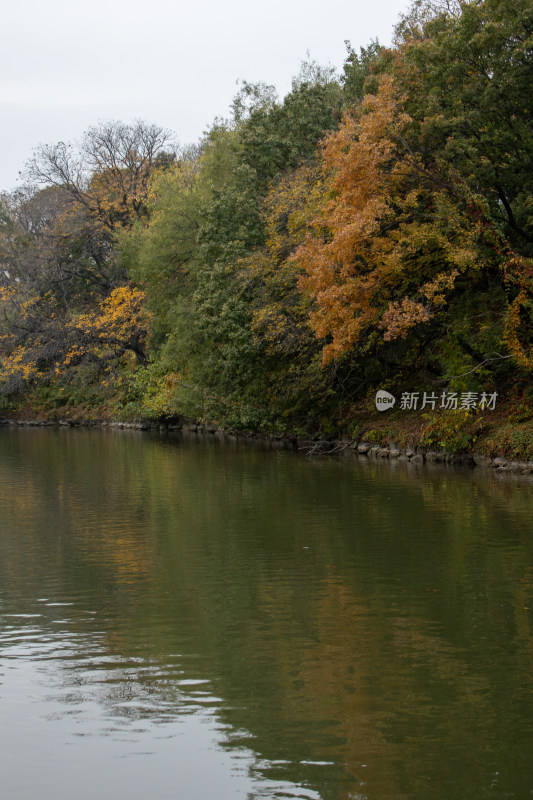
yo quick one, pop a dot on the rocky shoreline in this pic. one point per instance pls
(313, 447)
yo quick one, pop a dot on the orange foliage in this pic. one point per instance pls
(386, 230)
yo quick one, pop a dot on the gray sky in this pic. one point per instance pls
(64, 65)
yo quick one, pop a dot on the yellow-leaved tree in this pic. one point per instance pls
(101, 335)
(393, 236)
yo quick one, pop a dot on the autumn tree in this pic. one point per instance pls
(59, 251)
(479, 129)
(465, 75)
(108, 172)
(39, 342)
(392, 240)
(102, 185)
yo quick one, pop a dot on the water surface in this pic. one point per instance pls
(187, 618)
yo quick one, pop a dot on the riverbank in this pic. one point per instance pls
(374, 443)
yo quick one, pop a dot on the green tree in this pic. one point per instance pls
(466, 77)
(278, 136)
(361, 71)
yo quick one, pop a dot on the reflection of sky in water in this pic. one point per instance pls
(77, 722)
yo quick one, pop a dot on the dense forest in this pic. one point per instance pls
(371, 230)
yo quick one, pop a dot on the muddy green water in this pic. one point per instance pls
(198, 620)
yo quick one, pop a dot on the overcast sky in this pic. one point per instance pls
(64, 65)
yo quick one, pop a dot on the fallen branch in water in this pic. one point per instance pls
(319, 448)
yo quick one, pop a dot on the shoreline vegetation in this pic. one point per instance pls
(376, 444)
(372, 231)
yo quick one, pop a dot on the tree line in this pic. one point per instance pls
(370, 229)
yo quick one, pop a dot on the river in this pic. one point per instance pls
(182, 617)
